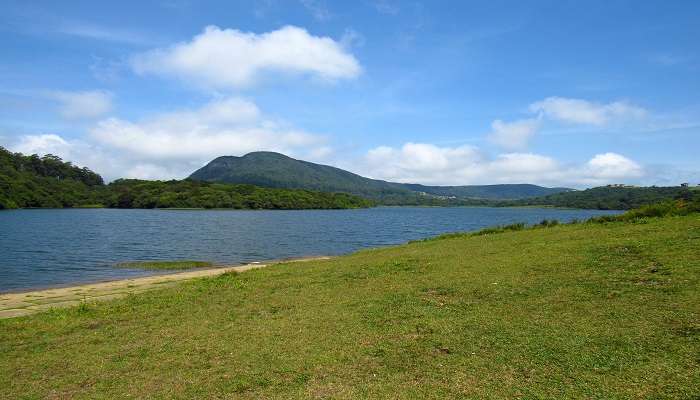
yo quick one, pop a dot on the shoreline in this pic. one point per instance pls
(17, 304)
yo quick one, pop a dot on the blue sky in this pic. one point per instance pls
(550, 92)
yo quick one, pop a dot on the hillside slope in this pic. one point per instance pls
(277, 170)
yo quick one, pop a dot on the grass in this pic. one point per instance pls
(165, 265)
(607, 310)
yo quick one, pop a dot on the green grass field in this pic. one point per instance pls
(591, 311)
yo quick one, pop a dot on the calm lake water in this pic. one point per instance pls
(43, 248)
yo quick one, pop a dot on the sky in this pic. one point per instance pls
(556, 93)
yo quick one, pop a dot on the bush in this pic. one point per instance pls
(546, 223)
(500, 229)
(664, 209)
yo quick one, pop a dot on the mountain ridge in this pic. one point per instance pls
(272, 169)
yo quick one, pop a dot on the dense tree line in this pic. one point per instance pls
(49, 182)
(610, 197)
(132, 193)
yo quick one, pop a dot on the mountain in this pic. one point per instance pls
(277, 170)
(49, 182)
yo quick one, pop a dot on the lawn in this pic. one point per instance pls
(595, 311)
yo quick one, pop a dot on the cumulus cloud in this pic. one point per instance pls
(42, 144)
(612, 166)
(513, 135)
(173, 144)
(419, 162)
(434, 165)
(228, 58)
(516, 135)
(83, 105)
(77, 151)
(579, 111)
(224, 126)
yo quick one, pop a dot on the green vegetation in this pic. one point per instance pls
(608, 309)
(132, 193)
(670, 208)
(609, 197)
(33, 181)
(165, 265)
(680, 207)
(269, 169)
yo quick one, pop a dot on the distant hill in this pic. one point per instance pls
(491, 192)
(277, 170)
(611, 197)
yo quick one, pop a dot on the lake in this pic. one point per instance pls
(45, 248)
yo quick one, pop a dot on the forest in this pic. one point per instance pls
(610, 197)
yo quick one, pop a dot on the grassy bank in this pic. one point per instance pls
(594, 310)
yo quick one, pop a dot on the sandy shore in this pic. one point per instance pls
(18, 304)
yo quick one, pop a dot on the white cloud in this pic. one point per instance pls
(513, 135)
(83, 105)
(612, 166)
(77, 151)
(228, 58)
(225, 126)
(419, 162)
(174, 144)
(42, 144)
(516, 135)
(430, 164)
(579, 111)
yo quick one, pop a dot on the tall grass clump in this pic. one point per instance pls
(519, 226)
(670, 208)
(547, 223)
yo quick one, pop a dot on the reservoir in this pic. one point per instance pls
(57, 247)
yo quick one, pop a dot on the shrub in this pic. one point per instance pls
(664, 209)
